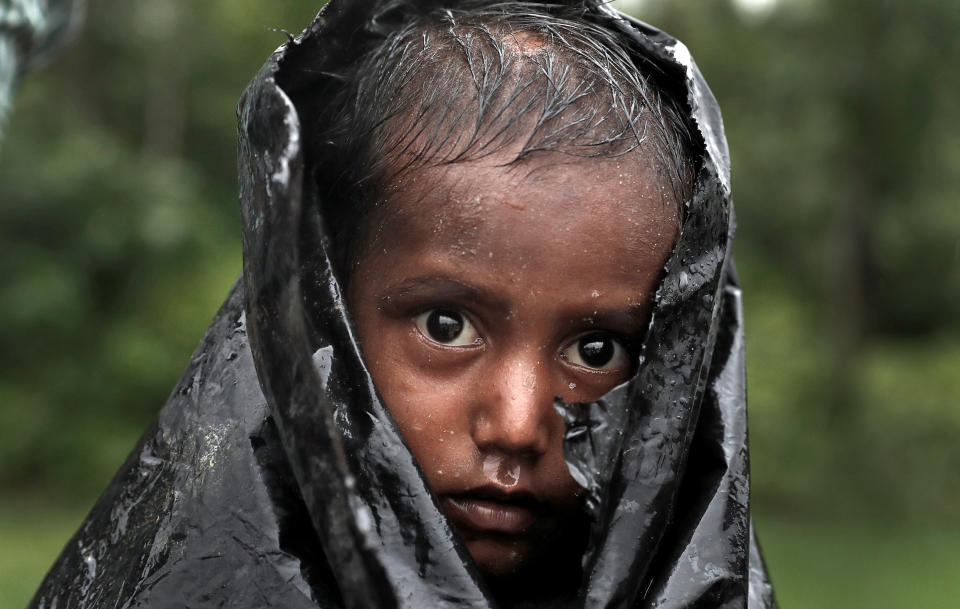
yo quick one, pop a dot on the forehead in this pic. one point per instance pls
(555, 214)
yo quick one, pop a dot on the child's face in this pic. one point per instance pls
(486, 291)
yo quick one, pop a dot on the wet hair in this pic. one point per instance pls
(451, 85)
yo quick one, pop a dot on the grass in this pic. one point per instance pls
(814, 565)
(819, 565)
(31, 537)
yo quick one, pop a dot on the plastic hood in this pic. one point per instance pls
(275, 477)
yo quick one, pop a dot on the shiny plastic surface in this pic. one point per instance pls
(275, 477)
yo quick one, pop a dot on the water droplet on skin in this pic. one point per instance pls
(491, 463)
(504, 471)
(509, 477)
(595, 294)
(572, 385)
(530, 381)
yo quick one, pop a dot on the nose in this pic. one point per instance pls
(515, 414)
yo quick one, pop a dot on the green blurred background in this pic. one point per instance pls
(120, 232)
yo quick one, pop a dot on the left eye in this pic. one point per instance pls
(447, 327)
(598, 351)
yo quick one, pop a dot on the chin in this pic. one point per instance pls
(499, 558)
(519, 572)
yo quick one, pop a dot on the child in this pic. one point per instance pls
(512, 189)
(490, 305)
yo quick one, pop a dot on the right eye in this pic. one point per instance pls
(598, 351)
(447, 327)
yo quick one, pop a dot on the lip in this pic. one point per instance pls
(485, 512)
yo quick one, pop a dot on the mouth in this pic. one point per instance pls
(487, 511)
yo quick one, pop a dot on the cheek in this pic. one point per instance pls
(435, 427)
(431, 410)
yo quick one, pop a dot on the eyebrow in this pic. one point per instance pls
(632, 319)
(437, 286)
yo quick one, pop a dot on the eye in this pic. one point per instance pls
(447, 327)
(599, 351)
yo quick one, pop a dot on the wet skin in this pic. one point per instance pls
(485, 291)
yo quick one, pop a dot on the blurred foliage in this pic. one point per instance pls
(120, 231)
(120, 227)
(843, 124)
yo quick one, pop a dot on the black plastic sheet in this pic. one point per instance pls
(276, 477)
